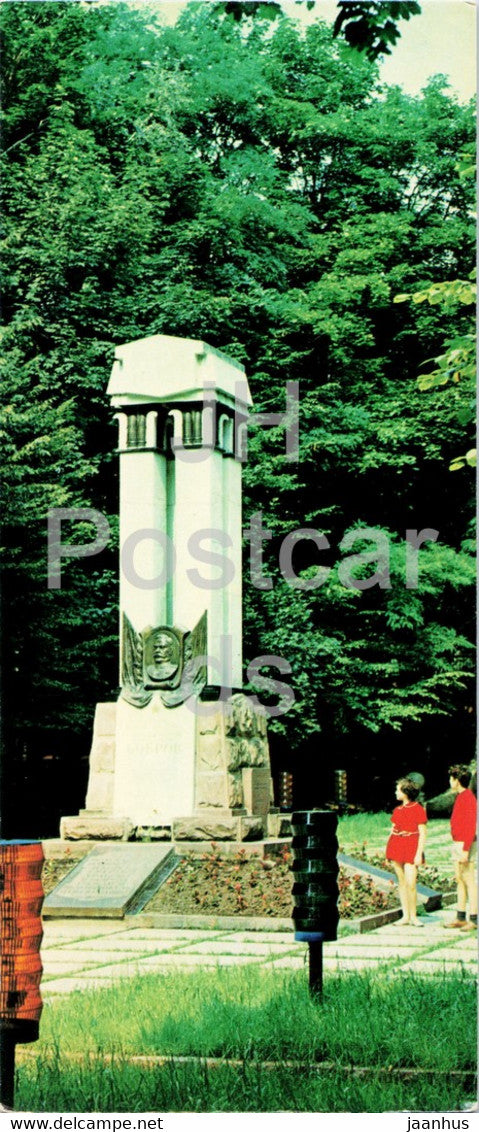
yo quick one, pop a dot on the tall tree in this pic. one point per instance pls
(372, 25)
(249, 183)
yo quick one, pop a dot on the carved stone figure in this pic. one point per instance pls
(133, 688)
(162, 657)
(246, 733)
(165, 660)
(230, 742)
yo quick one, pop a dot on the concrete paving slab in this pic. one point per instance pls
(79, 929)
(447, 956)
(62, 986)
(192, 959)
(94, 983)
(57, 967)
(446, 941)
(167, 961)
(422, 967)
(64, 964)
(109, 972)
(457, 954)
(97, 948)
(381, 954)
(356, 964)
(427, 923)
(417, 937)
(357, 943)
(57, 955)
(227, 946)
(266, 937)
(289, 962)
(78, 954)
(173, 933)
(429, 920)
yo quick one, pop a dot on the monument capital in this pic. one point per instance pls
(169, 370)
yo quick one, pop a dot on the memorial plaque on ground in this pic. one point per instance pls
(112, 881)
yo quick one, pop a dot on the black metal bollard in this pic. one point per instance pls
(315, 887)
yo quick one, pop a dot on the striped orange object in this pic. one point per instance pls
(21, 898)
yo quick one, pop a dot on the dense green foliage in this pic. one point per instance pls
(252, 185)
(372, 25)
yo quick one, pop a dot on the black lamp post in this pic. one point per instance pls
(315, 887)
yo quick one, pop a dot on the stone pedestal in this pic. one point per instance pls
(96, 825)
(154, 762)
(219, 825)
(102, 760)
(200, 772)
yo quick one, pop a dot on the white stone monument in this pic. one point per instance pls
(183, 752)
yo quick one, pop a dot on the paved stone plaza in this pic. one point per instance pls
(83, 953)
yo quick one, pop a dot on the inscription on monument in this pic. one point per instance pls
(111, 881)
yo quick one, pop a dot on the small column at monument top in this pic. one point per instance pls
(182, 409)
(165, 758)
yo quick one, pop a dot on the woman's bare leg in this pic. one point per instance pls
(403, 896)
(410, 875)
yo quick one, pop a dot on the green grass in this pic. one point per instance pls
(372, 831)
(184, 1088)
(362, 1020)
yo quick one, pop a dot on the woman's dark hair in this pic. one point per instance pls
(408, 788)
(461, 772)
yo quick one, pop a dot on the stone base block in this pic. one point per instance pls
(215, 827)
(257, 789)
(102, 759)
(251, 849)
(55, 849)
(96, 828)
(279, 825)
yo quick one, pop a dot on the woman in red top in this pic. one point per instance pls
(405, 847)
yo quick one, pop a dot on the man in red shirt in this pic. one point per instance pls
(463, 830)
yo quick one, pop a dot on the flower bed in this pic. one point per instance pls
(255, 886)
(54, 871)
(427, 874)
(220, 884)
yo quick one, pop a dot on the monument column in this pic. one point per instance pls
(143, 522)
(165, 758)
